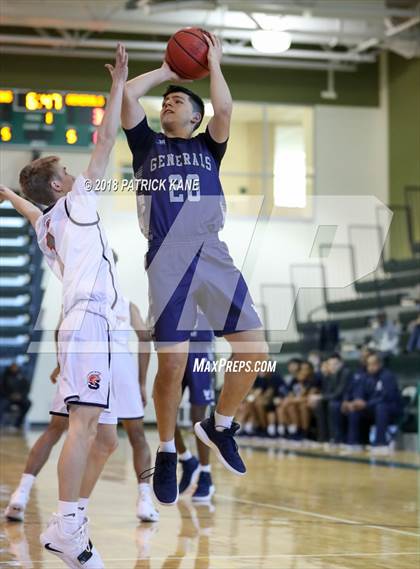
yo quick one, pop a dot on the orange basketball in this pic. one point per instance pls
(186, 53)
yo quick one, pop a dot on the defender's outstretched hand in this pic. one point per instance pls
(5, 193)
(119, 71)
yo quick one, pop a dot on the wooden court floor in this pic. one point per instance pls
(289, 512)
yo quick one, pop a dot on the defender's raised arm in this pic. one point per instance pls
(107, 132)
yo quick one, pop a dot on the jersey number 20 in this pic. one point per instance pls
(178, 187)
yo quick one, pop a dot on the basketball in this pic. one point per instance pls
(186, 53)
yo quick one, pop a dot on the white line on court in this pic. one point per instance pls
(316, 515)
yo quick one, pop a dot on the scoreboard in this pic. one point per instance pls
(50, 118)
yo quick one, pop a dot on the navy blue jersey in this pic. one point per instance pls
(175, 175)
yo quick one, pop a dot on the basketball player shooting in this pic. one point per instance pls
(181, 210)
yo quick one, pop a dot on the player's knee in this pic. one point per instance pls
(106, 441)
(136, 435)
(172, 367)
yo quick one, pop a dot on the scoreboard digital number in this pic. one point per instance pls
(43, 119)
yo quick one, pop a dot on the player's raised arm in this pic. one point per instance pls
(24, 207)
(107, 132)
(220, 96)
(132, 112)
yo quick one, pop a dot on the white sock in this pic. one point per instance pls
(281, 430)
(144, 487)
(185, 455)
(25, 484)
(82, 507)
(167, 446)
(222, 422)
(293, 429)
(271, 430)
(205, 468)
(69, 514)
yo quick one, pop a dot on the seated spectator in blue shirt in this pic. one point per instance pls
(377, 400)
(326, 403)
(355, 389)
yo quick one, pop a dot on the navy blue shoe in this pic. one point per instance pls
(205, 488)
(165, 485)
(190, 472)
(223, 444)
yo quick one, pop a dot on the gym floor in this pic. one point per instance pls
(366, 513)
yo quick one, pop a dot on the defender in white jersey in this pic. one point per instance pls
(130, 399)
(73, 242)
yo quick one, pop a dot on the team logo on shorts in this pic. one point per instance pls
(94, 379)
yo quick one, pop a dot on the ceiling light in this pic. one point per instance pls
(270, 42)
(268, 22)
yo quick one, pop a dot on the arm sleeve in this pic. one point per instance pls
(217, 149)
(140, 138)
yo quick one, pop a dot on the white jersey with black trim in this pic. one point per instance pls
(73, 241)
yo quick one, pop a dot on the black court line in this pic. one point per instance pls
(370, 461)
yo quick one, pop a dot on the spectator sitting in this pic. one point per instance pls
(378, 402)
(413, 344)
(326, 403)
(354, 390)
(276, 390)
(14, 390)
(294, 411)
(247, 414)
(290, 379)
(385, 336)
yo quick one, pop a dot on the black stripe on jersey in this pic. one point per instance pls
(77, 222)
(109, 266)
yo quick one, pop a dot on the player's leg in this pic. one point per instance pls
(38, 456)
(260, 410)
(205, 487)
(65, 537)
(304, 417)
(167, 393)
(189, 463)
(134, 428)
(104, 444)
(218, 431)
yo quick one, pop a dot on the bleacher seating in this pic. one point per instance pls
(20, 289)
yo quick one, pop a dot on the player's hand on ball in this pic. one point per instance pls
(119, 72)
(54, 374)
(171, 75)
(214, 55)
